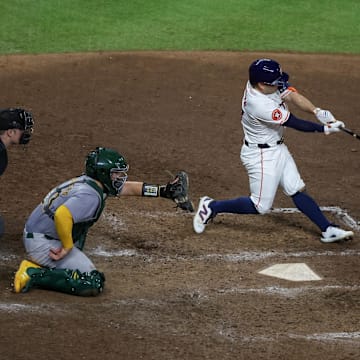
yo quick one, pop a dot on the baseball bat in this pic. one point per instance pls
(350, 132)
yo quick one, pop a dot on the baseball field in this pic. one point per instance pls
(170, 293)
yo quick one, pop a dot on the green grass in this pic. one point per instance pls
(52, 26)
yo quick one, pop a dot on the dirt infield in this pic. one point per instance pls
(172, 294)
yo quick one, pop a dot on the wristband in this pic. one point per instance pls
(150, 190)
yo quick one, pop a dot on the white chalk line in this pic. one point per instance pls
(40, 309)
(117, 223)
(12, 308)
(231, 258)
(348, 337)
(5, 257)
(226, 332)
(341, 214)
(340, 336)
(200, 295)
(196, 295)
(337, 211)
(287, 292)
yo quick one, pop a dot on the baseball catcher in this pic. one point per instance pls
(55, 233)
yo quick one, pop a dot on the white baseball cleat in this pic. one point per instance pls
(334, 234)
(203, 215)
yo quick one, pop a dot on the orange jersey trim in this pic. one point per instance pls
(291, 88)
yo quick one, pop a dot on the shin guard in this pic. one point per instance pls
(67, 281)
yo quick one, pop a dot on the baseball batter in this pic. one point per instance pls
(55, 233)
(268, 162)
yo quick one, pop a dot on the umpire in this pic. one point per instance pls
(16, 127)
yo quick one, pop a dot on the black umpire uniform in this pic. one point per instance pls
(13, 118)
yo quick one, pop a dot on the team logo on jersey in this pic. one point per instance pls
(276, 115)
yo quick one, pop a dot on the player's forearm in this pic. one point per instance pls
(137, 188)
(132, 188)
(64, 224)
(301, 102)
(303, 125)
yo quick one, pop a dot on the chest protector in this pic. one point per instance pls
(80, 229)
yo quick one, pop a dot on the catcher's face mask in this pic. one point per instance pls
(118, 178)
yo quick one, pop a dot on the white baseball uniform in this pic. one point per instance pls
(265, 157)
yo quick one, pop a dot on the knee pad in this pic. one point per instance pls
(87, 284)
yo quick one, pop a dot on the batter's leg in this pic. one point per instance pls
(310, 208)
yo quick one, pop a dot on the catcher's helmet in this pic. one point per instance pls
(109, 167)
(17, 119)
(267, 71)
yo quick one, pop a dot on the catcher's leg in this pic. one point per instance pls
(67, 281)
(38, 248)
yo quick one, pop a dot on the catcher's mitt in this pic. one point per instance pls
(178, 191)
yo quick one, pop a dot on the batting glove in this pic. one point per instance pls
(333, 127)
(324, 116)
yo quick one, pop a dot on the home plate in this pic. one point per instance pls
(292, 272)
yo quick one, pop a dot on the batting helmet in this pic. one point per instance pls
(17, 119)
(267, 71)
(109, 167)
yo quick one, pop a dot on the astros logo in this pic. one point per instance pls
(276, 115)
